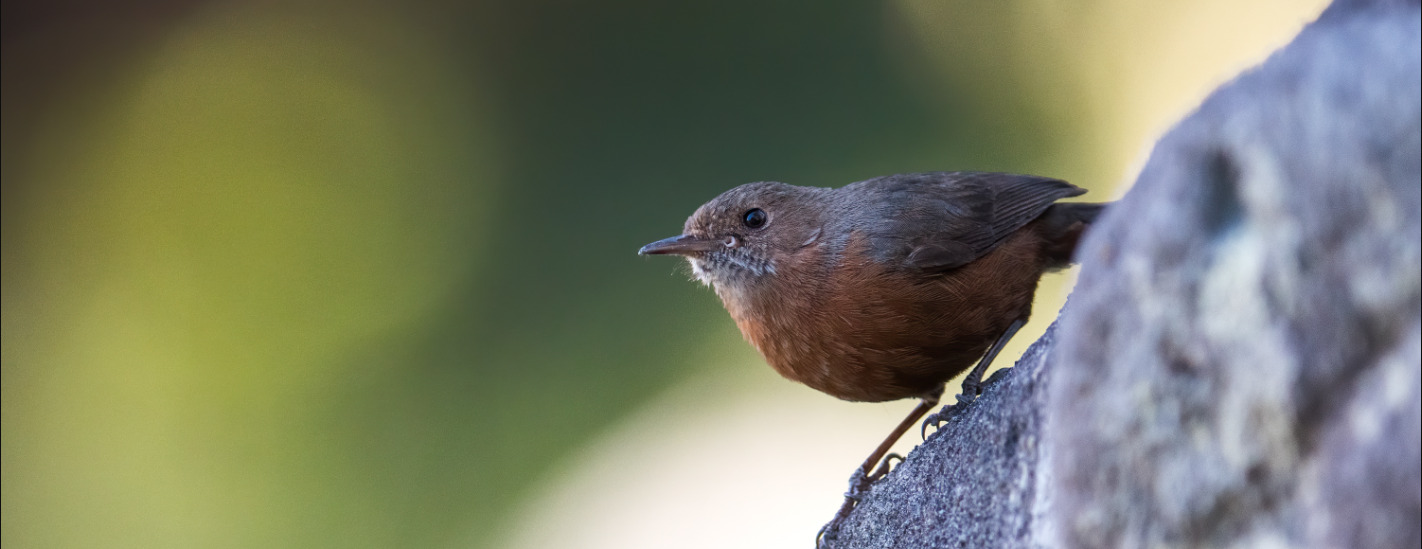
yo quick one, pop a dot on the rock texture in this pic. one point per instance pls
(1239, 363)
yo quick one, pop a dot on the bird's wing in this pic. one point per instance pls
(943, 220)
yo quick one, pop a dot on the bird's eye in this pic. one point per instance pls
(755, 218)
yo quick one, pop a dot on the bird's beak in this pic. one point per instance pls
(679, 245)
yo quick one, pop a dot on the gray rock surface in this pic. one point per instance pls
(1239, 363)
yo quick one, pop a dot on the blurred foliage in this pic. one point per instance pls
(330, 274)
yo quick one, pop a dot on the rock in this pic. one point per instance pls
(1239, 363)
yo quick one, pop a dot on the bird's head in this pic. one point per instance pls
(741, 237)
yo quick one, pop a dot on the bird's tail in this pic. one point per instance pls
(1062, 226)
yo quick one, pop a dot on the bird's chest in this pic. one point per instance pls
(865, 331)
(853, 331)
(800, 340)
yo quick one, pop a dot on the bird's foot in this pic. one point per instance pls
(858, 482)
(971, 391)
(881, 472)
(943, 415)
(858, 486)
(827, 534)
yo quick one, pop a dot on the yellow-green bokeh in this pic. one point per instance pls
(264, 191)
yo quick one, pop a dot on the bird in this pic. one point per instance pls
(886, 288)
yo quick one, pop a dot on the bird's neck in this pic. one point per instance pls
(775, 309)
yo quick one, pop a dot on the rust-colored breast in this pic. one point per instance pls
(865, 331)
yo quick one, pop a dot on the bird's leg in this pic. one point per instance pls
(925, 404)
(866, 473)
(973, 383)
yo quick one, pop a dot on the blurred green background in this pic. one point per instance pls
(358, 274)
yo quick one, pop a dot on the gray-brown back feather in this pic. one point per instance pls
(944, 220)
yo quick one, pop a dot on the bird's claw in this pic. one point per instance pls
(859, 484)
(882, 471)
(827, 533)
(943, 415)
(971, 392)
